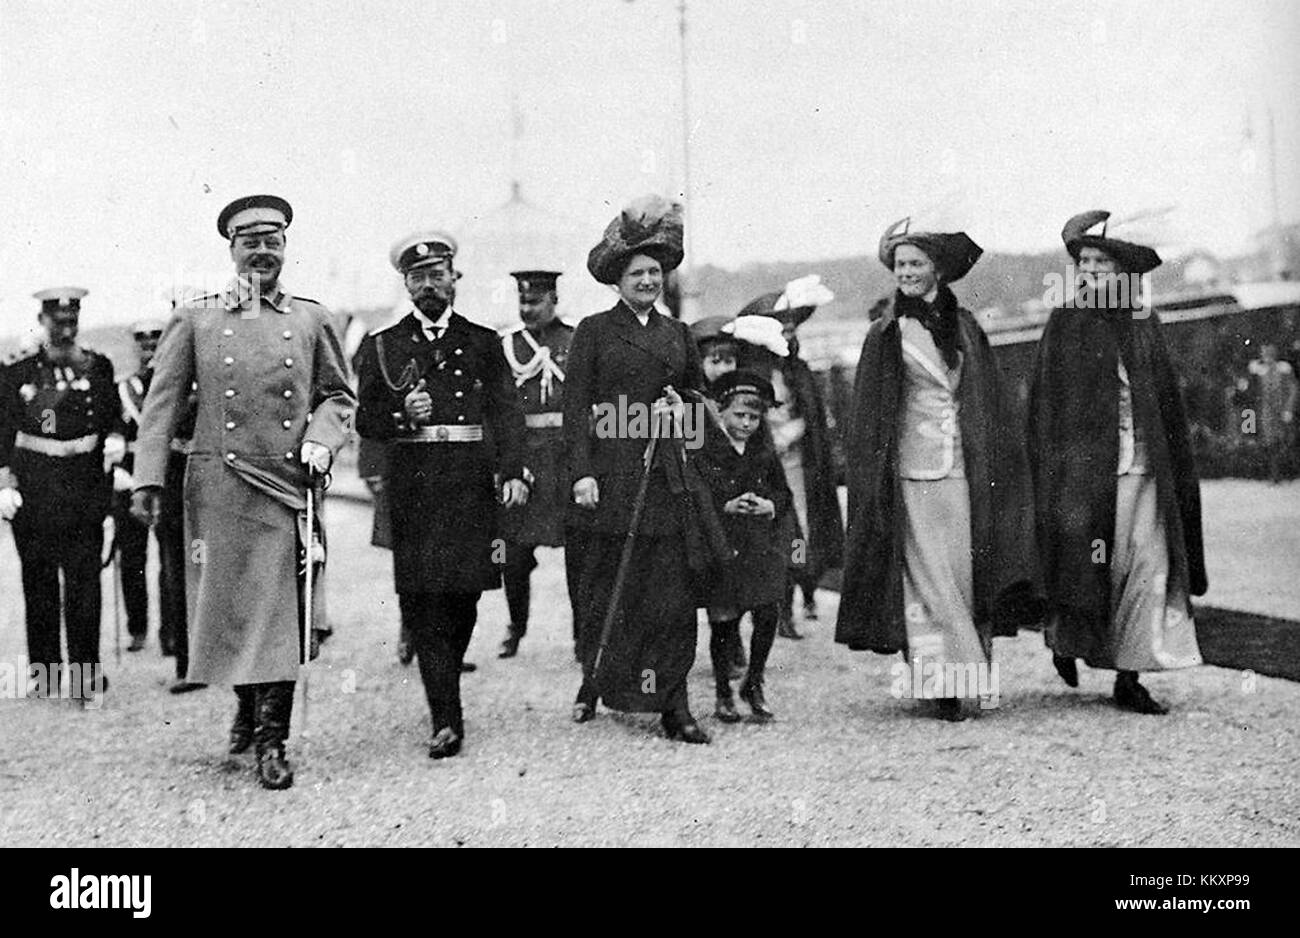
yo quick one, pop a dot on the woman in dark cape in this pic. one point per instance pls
(1118, 501)
(939, 548)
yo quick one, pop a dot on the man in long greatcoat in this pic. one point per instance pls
(436, 388)
(274, 407)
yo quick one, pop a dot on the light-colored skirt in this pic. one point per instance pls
(938, 583)
(1151, 615)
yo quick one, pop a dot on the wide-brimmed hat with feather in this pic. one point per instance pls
(650, 225)
(954, 253)
(1088, 230)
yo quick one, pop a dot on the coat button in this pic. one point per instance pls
(460, 417)
(229, 360)
(230, 392)
(230, 457)
(460, 393)
(288, 456)
(227, 332)
(230, 425)
(288, 363)
(288, 334)
(457, 372)
(458, 351)
(287, 424)
(288, 393)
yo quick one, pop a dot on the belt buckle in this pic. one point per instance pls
(441, 434)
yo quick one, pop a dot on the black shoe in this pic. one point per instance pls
(1068, 668)
(445, 744)
(510, 647)
(137, 643)
(810, 610)
(273, 770)
(182, 686)
(752, 693)
(468, 667)
(949, 709)
(725, 710)
(241, 731)
(785, 628)
(1130, 695)
(683, 727)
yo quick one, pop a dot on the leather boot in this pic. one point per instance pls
(752, 693)
(722, 652)
(1067, 668)
(241, 731)
(274, 709)
(1131, 695)
(785, 626)
(510, 647)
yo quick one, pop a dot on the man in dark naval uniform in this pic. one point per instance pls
(537, 351)
(60, 437)
(131, 536)
(438, 389)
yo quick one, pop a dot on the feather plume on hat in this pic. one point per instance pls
(762, 331)
(650, 225)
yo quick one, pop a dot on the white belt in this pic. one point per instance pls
(444, 433)
(551, 419)
(47, 447)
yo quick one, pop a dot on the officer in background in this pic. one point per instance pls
(536, 351)
(131, 537)
(437, 389)
(60, 439)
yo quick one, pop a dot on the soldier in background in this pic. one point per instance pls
(131, 537)
(60, 439)
(536, 352)
(1276, 400)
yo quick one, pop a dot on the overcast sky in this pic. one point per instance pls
(125, 127)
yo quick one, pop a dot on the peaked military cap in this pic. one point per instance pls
(60, 298)
(421, 248)
(254, 214)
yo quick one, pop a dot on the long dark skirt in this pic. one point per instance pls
(652, 644)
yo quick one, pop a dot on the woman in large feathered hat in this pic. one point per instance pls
(939, 552)
(1118, 501)
(625, 362)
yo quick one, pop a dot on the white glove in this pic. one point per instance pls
(122, 481)
(10, 502)
(114, 450)
(316, 457)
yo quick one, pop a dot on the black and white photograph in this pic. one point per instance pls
(652, 424)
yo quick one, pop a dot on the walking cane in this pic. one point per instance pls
(625, 561)
(304, 669)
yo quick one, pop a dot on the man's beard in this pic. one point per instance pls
(431, 303)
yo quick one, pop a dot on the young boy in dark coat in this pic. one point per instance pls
(749, 489)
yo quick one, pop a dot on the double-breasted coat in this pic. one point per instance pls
(442, 492)
(270, 374)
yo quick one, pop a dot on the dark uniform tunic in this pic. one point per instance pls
(440, 482)
(53, 422)
(543, 520)
(613, 361)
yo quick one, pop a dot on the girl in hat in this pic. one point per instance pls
(1118, 501)
(940, 523)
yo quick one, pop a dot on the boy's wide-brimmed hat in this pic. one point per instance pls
(954, 253)
(650, 225)
(1088, 230)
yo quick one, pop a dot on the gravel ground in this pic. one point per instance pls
(846, 764)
